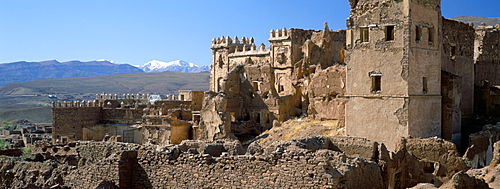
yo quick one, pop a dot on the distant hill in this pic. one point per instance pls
(35, 115)
(160, 82)
(18, 72)
(477, 20)
(175, 66)
(30, 100)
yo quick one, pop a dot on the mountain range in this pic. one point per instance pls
(18, 72)
(175, 66)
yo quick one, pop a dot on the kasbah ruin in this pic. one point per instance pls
(388, 102)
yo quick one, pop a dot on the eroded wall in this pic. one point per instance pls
(486, 67)
(459, 38)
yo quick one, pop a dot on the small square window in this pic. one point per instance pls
(364, 34)
(389, 33)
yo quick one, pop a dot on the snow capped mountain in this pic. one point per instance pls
(175, 66)
(104, 60)
(18, 72)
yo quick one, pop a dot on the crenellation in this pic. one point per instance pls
(262, 47)
(236, 40)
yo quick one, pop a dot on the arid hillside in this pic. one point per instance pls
(31, 100)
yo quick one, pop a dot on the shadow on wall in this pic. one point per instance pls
(131, 173)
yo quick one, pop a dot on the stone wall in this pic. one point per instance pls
(314, 162)
(322, 168)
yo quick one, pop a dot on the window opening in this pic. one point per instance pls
(431, 35)
(280, 81)
(418, 34)
(424, 85)
(364, 34)
(221, 62)
(219, 84)
(376, 82)
(342, 54)
(257, 117)
(389, 33)
(256, 86)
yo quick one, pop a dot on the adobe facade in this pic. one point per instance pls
(399, 69)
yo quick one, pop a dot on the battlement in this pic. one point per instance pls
(124, 96)
(279, 34)
(228, 42)
(250, 52)
(77, 104)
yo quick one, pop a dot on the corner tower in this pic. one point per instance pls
(393, 69)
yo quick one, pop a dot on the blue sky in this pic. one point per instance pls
(136, 32)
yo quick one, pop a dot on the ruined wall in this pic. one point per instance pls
(15, 174)
(215, 121)
(486, 53)
(321, 169)
(196, 100)
(480, 151)
(314, 162)
(451, 116)
(459, 37)
(457, 85)
(486, 67)
(69, 121)
(325, 93)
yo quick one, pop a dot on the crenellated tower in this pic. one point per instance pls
(227, 53)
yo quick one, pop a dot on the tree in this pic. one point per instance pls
(4, 144)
